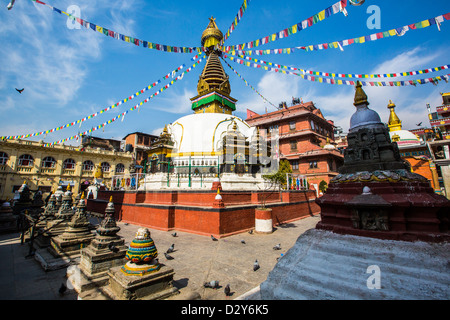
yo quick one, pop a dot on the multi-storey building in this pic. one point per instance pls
(46, 168)
(139, 144)
(306, 140)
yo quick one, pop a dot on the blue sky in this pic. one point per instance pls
(71, 73)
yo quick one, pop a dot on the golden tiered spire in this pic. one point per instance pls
(213, 86)
(394, 123)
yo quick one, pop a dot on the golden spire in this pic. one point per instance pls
(360, 95)
(68, 187)
(111, 199)
(212, 35)
(394, 123)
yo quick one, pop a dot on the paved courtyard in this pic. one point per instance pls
(196, 260)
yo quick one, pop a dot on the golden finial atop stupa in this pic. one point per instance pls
(110, 199)
(394, 122)
(82, 195)
(68, 187)
(212, 35)
(360, 95)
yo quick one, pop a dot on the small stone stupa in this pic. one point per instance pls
(24, 201)
(8, 222)
(63, 215)
(383, 233)
(76, 236)
(142, 277)
(105, 251)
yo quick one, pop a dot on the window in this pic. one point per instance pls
(48, 162)
(88, 165)
(313, 164)
(313, 127)
(105, 166)
(293, 144)
(294, 165)
(3, 158)
(69, 164)
(292, 125)
(120, 168)
(26, 160)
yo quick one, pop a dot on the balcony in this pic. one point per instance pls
(24, 169)
(68, 172)
(48, 170)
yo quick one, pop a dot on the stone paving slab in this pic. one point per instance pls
(196, 260)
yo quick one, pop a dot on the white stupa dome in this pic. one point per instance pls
(200, 134)
(405, 137)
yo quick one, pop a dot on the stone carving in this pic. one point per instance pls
(370, 219)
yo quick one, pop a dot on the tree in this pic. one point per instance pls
(323, 185)
(279, 177)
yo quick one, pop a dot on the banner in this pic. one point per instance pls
(343, 43)
(119, 36)
(328, 12)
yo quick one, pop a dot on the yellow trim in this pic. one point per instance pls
(187, 154)
(182, 134)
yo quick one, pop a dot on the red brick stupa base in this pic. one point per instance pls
(405, 210)
(201, 213)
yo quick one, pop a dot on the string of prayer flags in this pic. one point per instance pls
(433, 80)
(342, 75)
(137, 106)
(400, 31)
(117, 104)
(125, 38)
(236, 20)
(322, 15)
(248, 84)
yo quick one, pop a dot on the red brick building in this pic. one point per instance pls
(138, 143)
(306, 140)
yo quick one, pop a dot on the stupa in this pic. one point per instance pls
(63, 215)
(383, 232)
(8, 222)
(200, 153)
(76, 235)
(105, 251)
(142, 277)
(24, 199)
(195, 145)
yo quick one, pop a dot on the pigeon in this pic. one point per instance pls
(418, 124)
(20, 90)
(212, 238)
(168, 256)
(11, 4)
(212, 284)
(255, 265)
(251, 231)
(174, 234)
(277, 247)
(171, 248)
(243, 241)
(227, 290)
(126, 223)
(62, 289)
(112, 247)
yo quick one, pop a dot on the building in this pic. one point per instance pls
(306, 140)
(46, 168)
(139, 143)
(412, 149)
(104, 144)
(440, 119)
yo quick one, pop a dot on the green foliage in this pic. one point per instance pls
(323, 186)
(280, 176)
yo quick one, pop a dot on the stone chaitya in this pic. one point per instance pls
(8, 222)
(76, 236)
(142, 277)
(105, 251)
(64, 213)
(383, 232)
(375, 192)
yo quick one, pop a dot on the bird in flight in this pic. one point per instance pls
(418, 124)
(20, 90)
(11, 4)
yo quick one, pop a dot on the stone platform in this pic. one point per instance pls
(323, 265)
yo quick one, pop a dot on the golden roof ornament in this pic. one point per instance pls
(212, 35)
(360, 95)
